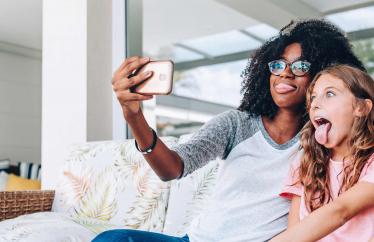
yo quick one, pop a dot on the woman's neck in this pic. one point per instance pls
(284, 126)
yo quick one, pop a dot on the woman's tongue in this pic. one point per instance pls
(322, 133)
(284, 88)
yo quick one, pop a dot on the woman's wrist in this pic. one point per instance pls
(133, 117)
(139, 126)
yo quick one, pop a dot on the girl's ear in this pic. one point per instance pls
(363, 108)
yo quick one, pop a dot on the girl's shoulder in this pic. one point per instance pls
(296, 159)
(367, 173)
(370, 162)
(371, 158)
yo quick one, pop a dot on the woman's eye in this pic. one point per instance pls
(330, 94)
(312, 98)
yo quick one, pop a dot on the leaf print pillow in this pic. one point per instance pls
(110, 184)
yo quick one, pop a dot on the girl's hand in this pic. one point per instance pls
(275, 240)
(121, 84)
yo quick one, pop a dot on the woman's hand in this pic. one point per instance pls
(121, 84)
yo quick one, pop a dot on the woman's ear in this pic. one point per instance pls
(363, 108)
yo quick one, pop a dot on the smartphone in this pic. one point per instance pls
(161, 81)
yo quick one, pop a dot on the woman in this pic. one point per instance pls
(256, 141)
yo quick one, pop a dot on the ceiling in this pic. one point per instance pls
(21, 23)
(176, 20)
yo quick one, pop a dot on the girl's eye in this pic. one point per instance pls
(312, 98)
(330, 94)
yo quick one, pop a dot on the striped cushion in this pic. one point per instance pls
(4, 164)
(29, 170)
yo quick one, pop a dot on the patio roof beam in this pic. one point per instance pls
(350, 7)
(353, 36)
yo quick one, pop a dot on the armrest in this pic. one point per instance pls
(16, 203)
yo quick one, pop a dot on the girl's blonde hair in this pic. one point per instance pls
(314, 168)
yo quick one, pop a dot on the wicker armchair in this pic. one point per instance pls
(16, 203)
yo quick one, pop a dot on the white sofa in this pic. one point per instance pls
(107, 185)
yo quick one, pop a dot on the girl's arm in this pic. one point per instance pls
(293, 216)
(328, 218)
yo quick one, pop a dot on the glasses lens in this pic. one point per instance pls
(300, 68)
(277, 67)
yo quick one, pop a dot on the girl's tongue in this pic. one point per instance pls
(322, 132)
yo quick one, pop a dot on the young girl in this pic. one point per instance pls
(332, 185)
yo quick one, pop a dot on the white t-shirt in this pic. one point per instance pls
(245, 205)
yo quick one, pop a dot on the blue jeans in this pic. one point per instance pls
(129, 235)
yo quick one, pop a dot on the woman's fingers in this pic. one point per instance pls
(127, 61)
(127, 83)
(126, 96)
(129, 68)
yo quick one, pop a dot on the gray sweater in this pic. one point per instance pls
(245, 205)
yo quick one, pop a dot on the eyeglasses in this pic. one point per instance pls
(298, 68)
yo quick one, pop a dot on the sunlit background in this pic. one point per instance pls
(209, 41)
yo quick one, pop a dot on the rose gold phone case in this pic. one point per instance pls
(161, 81)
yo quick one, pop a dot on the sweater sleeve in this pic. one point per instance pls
(213, 140)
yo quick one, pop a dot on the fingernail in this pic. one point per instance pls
(146, 59)
(148, 73)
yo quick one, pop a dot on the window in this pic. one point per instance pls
(211, 48)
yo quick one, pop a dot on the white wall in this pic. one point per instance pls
(99, 70)
(20, 107)
(64, 117)
(77, 71)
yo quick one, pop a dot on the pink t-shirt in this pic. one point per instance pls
(360, 227)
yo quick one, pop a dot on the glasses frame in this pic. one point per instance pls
(290, 64)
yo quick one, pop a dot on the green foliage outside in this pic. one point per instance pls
(364, 49)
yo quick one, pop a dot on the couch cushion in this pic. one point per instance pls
(43, 227)
(188, 197)
(29, 170)
(111, 182)
(4, 164)
(16, 183)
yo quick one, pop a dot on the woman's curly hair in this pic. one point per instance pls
(322, 44)
(314, 165)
